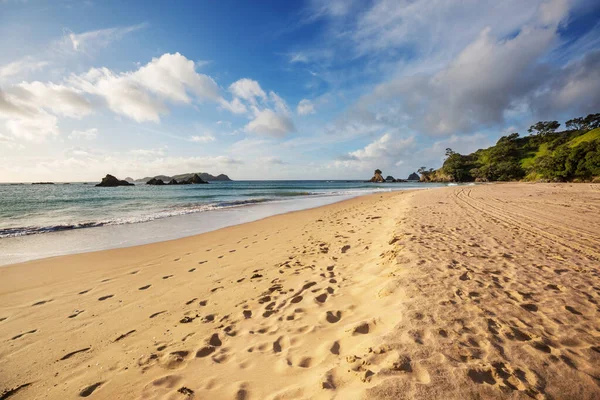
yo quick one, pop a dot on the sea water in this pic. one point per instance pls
(47, 220)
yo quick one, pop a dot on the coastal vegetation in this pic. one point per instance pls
(545, 155)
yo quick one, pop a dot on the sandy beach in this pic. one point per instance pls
(465, 292)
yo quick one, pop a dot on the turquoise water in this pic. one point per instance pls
(32, 209)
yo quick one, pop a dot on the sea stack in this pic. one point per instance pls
(377, 177)
(111, 181)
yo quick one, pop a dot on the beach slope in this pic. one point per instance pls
(488, 291)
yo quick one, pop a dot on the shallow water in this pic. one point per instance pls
(39, 221)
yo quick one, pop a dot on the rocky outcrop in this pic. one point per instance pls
(155, 181)
(414, 177)
(390, 178)
(186, 177)
(111, 181)
(377, 177)
(194, 180)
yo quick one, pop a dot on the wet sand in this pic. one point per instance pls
(488, 291)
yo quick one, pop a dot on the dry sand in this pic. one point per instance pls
(476, 292)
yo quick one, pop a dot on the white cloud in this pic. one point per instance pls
(268, 123)
(385, 147)
(88, 134)
(305, 107)
(574, 89)
(24, 65)
(206, 138)
(86, 41)
(141, 95)
(235, 106)
(280, 104)
(59, 99)
(36, 129)
(248, 90)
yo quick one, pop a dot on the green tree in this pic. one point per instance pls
(576, 124)
(544, 128)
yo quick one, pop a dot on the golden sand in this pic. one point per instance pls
(479, 292)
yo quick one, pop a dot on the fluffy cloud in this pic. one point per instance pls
(141, 95)
(270, 114)
(59, 99)
(305, 107)
(88, 134)
(575, 89)
(386, 147)
(247, 89)
(269, 123)
(26, 64)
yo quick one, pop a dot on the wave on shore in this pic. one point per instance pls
(177, 210)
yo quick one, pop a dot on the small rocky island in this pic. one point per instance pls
(194, 180)
(378, 178)
(111, 181)
(414, 177)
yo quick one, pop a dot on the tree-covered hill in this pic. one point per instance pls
(546, 154)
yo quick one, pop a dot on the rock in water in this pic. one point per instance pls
(196, 179)
(111, 181)
(377, 177)
(173, 182)
(155, 181)
(414, 177)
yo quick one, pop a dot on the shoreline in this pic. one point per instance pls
(111, 236)
(462, 292)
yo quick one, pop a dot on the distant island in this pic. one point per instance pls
(546, 155)
(378, 178)
(182, 177)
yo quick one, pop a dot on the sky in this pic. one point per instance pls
(282, 89)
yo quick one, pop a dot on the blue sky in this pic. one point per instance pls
(282, 90)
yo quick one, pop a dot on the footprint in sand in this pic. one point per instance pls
(71, 354)
(167, 276)
(76, 313)
(90, 389)
(175, 359)
(39, 303)
(322, 298)
(85, 291)
(157, 314)
(123, 336)
(296, 299)
(105, 297)
(192, 270)
(144, 287)
(205, 351)
(529, 307)
(11, 392)
(214, 340)
(572, 310)
(23, 334)
(333, 317)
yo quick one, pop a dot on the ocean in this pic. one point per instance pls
(46, 220)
